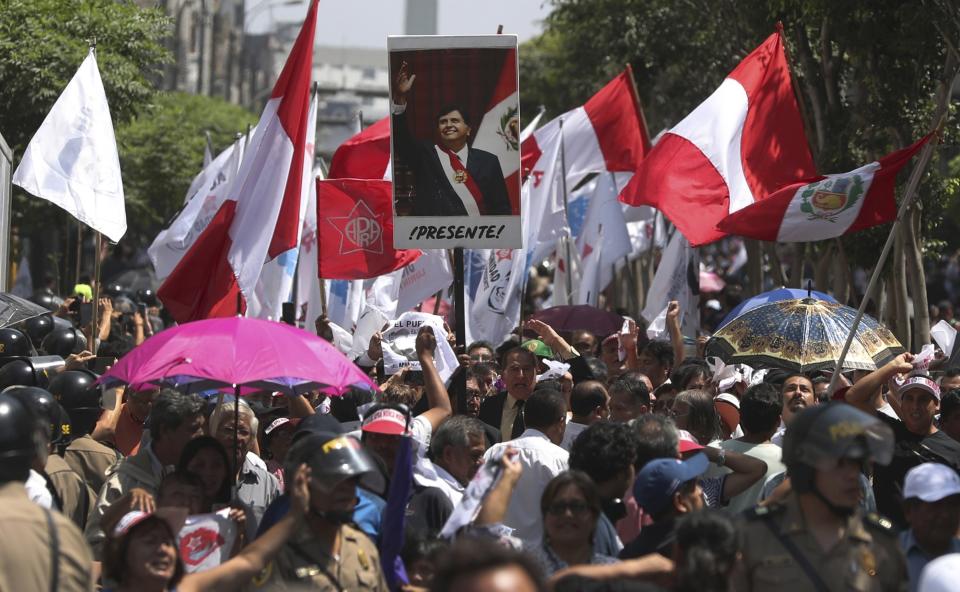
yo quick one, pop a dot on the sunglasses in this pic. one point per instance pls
(560, 508)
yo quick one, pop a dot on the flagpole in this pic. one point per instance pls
(566, 213)
(912, 184)
(76, 277)
(95, 329)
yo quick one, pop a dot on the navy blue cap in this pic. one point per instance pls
(318, 422)
(661, 478)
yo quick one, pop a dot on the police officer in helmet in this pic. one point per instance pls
(816, 538)
(76, 392)
(337, 464)
(40, 549)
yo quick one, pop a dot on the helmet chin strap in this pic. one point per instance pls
(839, 511)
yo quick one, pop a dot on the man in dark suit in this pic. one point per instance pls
(504, 410)
(452, 178)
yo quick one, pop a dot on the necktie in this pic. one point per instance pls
(518, 425)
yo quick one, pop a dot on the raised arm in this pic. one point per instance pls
(676, 335)
(747, 470)
(553, 340)
(861, 394)
(238, 571)
(494, 507)
(436, 393)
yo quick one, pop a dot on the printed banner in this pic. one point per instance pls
(455, 141)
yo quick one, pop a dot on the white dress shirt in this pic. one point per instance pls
(430, 474)
(542, 460)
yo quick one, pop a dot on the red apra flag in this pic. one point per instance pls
(737, 147)
(365, 155)
(355, 230)
(827, 206)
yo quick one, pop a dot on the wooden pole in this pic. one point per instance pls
(95, 321)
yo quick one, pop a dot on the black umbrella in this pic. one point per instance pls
(14, 309)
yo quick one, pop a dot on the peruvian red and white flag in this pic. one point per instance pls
(827, 206)
(260, 218)
(365, 155)
(499, 130)
(355, 230)
(275, 285)
(737, 147)
(606, 134)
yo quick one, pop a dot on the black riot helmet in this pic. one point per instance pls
(63, 342)
(821, 436)
(14, 343)
(18, 372)
(80, 398)
(147, 297)
(45, 409)
(37, 328)
(19, 439)
(47, 300)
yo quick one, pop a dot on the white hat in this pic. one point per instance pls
(940, 575)
(931, 482)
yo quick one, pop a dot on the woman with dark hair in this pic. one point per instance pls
(571, 507)
(705, 552)
(142, 554)
(694, 412)
(692, 375)
(206, 458)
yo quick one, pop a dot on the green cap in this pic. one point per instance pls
(538, 348)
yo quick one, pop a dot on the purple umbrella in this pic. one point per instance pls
(237, 352)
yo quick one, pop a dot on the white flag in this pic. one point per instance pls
(604, 227)
(496, 306)
(567, 264)
(677, 278)
(423, 278)
(206, 540)
(72, 160)
(176, 239)
(309, 303)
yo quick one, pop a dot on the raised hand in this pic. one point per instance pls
(426, 341)
(403, 84)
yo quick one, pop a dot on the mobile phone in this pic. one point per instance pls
(86, 313)
(289, 313)
(142, 309)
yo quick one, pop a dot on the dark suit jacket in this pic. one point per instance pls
(435, 195)
(491, 412)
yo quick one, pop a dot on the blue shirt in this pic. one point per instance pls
(366, 514)
(917, 558)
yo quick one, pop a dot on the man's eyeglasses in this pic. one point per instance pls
(560, 508)
(474, 394)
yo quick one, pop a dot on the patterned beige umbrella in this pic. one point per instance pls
(803, 335)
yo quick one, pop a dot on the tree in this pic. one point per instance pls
(42, 43)
(867, 72)
(161, 150)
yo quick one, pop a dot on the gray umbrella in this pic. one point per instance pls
(14, 309)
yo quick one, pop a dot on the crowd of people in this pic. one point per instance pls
(554, 460)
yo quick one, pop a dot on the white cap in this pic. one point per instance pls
(931, 482)
(940, 575)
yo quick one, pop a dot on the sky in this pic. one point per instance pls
(366, 23)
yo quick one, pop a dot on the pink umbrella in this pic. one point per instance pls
(240, 353)
(711, 282)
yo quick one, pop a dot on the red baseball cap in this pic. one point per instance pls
(386, 421)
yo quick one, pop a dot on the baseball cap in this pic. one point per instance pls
(318, 422)
(539, 348)
(940, 575)
(661, 478)
(931, 482)
(386, 420)
(921, 382)
(281, 421)
(172, 517)
(687, 443)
